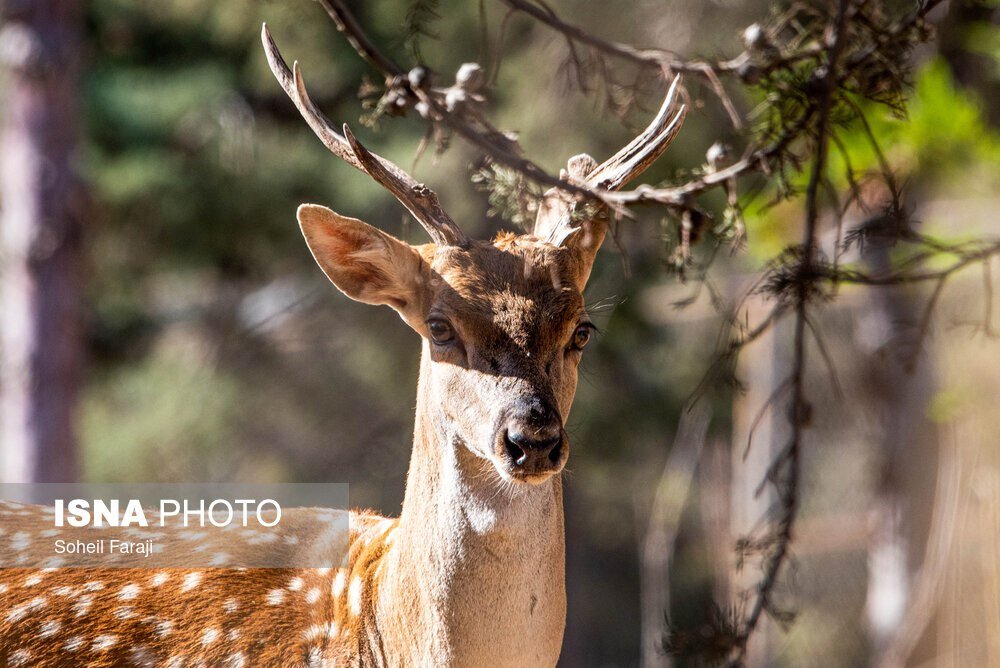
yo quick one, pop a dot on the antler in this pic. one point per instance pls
(554, 220)
(420, 200)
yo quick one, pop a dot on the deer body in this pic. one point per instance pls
(472, 572)
(472, 569)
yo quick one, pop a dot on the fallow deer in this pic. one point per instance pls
(472, 571)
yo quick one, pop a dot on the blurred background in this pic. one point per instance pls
(167, 322)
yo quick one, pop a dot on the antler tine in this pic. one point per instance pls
(420, 200)
(642, 151)
(321, 125)
(554, 220)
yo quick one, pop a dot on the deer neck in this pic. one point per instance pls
(476, 571)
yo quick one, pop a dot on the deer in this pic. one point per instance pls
(472, 572)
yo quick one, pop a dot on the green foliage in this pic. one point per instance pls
(420, 16)
(943, 133)
(159, 417)
(944, 130)
(511, 196)
(941, 136)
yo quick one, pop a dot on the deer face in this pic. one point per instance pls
(503, 327)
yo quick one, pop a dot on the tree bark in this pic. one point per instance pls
(659, 542)
(40, 241)
(900, 382)
(759, 411)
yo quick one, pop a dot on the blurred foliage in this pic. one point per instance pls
(942, 133)
(156, 416)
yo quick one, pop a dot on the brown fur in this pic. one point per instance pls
(212, 616)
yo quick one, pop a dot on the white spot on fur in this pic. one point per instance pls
(312, 595)
(129, 592)
(125, 613)
(175, 661)
(219, 559)
(164, 627)
(238, 660)
(275, 596)
(295, 584)
(159, 579)
(83, 605)
(210, 636)
(191, 581)
(20, 541)
(93, 585)
(104, 642)
(20, 658)
(49, 629)
(3, 589)
(142, 657)
(73, 644)
(354, 596)
(33, 580)
(262, 539)
(18, 613)
(320, 632)
(315, 658)
(233, 634)
(339, 583)
(231, 605)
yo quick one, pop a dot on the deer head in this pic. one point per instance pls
(503, 322)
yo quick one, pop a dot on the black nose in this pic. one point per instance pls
(533, 438)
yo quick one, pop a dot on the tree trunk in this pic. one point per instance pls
(759, 411)
(659, 541)
(40, 241)
(900, 383)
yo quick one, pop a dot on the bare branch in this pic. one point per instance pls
(655, 57)
(351, 29)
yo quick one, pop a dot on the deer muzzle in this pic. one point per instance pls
(532, 445)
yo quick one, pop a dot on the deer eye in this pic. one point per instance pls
(441, 331)
(581, 337)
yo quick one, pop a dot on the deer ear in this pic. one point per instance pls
(365, 263)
